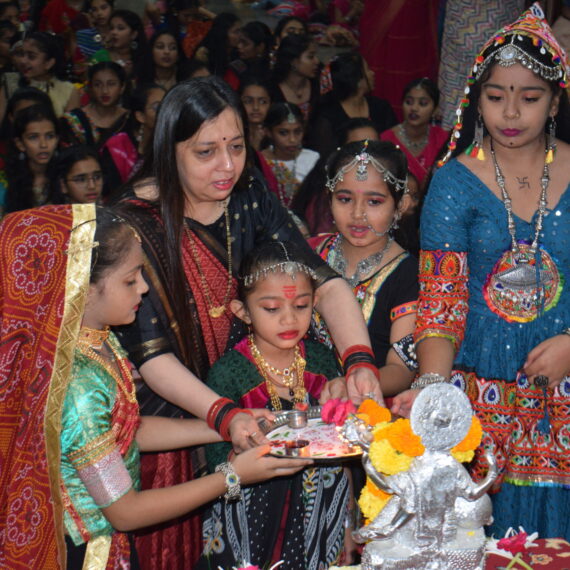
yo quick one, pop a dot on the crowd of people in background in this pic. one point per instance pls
(100, 73)
(258, 204)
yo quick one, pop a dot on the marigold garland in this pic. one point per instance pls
(473, 438)
(394, 447)
(372, 500)
(404, 440)
(463, 456)
(373, 413)
(387, 460)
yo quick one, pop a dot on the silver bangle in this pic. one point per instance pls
(428, 379)
(233, 492)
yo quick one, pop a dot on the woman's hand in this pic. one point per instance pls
(403, 402)
(551, 358)
(335, 388)
(255, 465)
(362, 384)
(245, 431)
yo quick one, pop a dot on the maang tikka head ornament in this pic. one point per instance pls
(290, 115)
(289, 267)
(523, 42)
(361, 161)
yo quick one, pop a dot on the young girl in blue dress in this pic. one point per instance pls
(298, 519)
(494, 306)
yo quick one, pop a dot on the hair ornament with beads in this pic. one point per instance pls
(289, 267)
(509, 46)
(290, 115)
(361, 161)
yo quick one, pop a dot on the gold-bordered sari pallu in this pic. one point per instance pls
(41, 314)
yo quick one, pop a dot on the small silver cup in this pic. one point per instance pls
(297, 419)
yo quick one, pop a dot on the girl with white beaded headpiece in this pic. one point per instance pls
(494, 307)
(367, 183)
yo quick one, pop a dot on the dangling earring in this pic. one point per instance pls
(22, 155)
(134, 44)
(475, 149)
(395, 222)
(551, 141)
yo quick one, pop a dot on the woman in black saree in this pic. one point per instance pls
(198, 213)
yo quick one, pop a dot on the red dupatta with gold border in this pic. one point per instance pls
(44, 275)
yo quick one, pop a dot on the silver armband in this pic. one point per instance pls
(428, 379)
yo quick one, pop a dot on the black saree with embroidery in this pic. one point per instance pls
(191, 334)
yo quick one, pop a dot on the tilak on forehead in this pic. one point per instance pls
(289, 291)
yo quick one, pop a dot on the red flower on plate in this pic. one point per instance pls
(335, 411)
(514, 544)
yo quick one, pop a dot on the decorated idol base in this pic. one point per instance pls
(434, 514)
(467, 551)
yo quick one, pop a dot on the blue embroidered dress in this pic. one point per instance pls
(464, 234)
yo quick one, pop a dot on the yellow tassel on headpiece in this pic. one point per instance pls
(480, 154)
(549, 156)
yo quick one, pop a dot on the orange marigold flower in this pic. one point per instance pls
(376, 491)
(473, 437)
(373, 413)
(404, 440)
(380, 431)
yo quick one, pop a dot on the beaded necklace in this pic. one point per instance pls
(293, 375)
(525, 281)
(408, 142)
(339, 263)
(544, 182)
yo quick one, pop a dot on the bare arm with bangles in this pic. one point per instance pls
(435, 355)
(138, 509)
(344, 319)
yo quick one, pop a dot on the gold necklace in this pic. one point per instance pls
(295, 380)
(215, 311)
(91, 340)
(287, 373)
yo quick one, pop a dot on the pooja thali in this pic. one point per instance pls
(316, 440)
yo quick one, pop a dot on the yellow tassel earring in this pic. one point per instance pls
(551, 141)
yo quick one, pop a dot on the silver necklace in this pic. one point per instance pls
(409, 142)
(363, 267)
(544, 182)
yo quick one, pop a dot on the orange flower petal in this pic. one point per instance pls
(404, 440)
(473, 438)
(375, 412)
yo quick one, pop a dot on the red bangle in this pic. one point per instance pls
(225, 425)
(214, 410)
(368, 365)
(356, 348)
